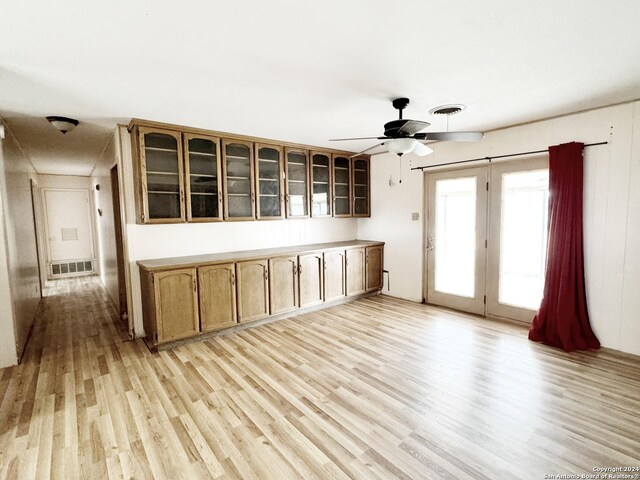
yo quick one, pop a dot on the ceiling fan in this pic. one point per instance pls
(404, 135)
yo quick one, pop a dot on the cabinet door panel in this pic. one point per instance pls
(356, 281)
(374, 268)
(176, 304)
(320, 184)
(217, 291)
(297, 182)
(283, 284)
(269, 187)
(334, 275)
(341, 169)
(237, 170)
(310, 276)
(360, 181)
(160, 175)
(253, 290)
(203, 171)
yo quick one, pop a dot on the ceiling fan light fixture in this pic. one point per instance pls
(400, 146)
(63, 124)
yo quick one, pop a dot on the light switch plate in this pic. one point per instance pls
(415, 216)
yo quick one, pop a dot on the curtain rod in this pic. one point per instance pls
(497, 156)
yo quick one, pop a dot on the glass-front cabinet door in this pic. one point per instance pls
(269, 187)
(320, 184)
(297, 181)
(237, 168)
(202, 169)
(361, 205)
(161, 175)
(341, 186)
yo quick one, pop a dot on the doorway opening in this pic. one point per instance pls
(486, 238)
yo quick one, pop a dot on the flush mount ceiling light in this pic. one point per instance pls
(64, 124)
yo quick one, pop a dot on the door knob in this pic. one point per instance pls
(430, 241)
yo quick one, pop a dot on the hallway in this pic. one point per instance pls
(378, 388)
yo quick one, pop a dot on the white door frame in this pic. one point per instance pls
(92, 222)
(477, 303)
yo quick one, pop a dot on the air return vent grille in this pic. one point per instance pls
(79, 267)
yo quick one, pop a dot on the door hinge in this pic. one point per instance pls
(487, 186)
(486, 242)
(485, 300)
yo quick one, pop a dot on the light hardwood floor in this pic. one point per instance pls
(376, 389)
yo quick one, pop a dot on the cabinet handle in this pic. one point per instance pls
(299, 269)
(233, 279)
(253, 197)
(195, 285)
(266, 274)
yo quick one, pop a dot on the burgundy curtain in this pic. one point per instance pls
(563, 320)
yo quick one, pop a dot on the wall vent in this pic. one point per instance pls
(82, 267)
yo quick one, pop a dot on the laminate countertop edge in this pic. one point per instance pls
(172, 263)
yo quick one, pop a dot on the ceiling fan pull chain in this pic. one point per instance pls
(400, 155)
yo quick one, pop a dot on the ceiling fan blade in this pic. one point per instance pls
(450, 136)
(412, 127)
(422, 150)
(367, 150)
(356, 138)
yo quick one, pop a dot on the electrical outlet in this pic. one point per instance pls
(415, 216)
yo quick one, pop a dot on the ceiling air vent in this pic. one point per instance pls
(451, 109)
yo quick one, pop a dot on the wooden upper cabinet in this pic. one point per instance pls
(361, 187)
(253, 290)
(374, 264)
(342, 195)
(217, 293)
(297, 182)
(269, 182)
(159, 175)
(238, 180)
(334, 275)
(356, 271)
(283, 284)
(203, 178)
(310, 279)
(176, 303)
(320, 184)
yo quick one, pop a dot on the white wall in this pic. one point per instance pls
(391, 222)
(172, 240)
(611, 211)
(105, 224)
(19, 283)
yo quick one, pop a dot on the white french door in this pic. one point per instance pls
(456, 233)
(486, 238)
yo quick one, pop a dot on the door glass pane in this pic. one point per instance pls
(523, 238)
(320, 204)
(297, 183)
(455, 236)
(269, 182)
(163, 180)
(341, 189)
(203, 178)
(238, 166)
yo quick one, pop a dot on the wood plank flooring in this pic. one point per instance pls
(375, 389)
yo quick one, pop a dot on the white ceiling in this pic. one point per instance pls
(303, 71)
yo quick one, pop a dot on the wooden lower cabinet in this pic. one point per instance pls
(217, 293)
(310, 278)
(253, 290)
(334, 275)
(356, 271)
(283, 284)
(207, 293)
(374, 264)
(174, 305)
